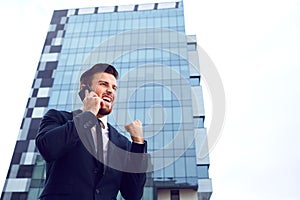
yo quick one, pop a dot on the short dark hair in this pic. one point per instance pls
(86, 77)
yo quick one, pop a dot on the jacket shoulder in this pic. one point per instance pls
(59, 114)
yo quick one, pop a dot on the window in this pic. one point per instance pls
(195, 80)
(191, 166)
(191, 46)
(175, 195)
(180, 166)
(199, 121)
(202, 171)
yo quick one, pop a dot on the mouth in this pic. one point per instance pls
(107, 99)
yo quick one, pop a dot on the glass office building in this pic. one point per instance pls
(159, 84)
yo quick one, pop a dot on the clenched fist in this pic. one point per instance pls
(135, 129)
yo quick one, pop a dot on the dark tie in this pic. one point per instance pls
(99, 145)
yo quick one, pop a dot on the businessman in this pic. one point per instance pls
(86, 158)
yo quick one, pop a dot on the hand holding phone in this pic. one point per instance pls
(82, 92)
(92, 103)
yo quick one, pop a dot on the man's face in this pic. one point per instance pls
(105, 86)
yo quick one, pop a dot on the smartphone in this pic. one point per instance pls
(82, 92)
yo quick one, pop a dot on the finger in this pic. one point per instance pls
(93, 94)
(127, 128)
(101, 102)
(138, 122)
(86, 92)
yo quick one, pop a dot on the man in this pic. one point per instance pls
(75, 146)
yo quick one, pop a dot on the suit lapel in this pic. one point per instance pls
(116, 155)
(86, 137)
(110, 148)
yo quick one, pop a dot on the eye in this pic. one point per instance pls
(102, 83)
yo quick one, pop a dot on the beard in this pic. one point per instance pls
(104, 111)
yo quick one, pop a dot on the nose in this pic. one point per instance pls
(109, 89)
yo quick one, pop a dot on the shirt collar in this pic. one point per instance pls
(104, 121)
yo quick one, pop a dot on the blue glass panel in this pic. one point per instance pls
(175, 126)
(142, 55)
(75, 78)
(195, 81)
(158, 96)
(140, 114)
(172, 21)
(190, 152)
(77, 28)
(168, 127)
(150, 143)
(141, 94)
(167, 103)
(202, 171)
(165, 21)
(79, 58)
(113, 25)
(53, 98)
(180, 167)
(67, 77)
(149, 92)
(99, 26)
(58, 77)
(158, 173)
(169, 171)
(199, 122)
(177, 115)
(140, 104)
(158, 141)
(63, 96)
(191, 166)
(168, 137)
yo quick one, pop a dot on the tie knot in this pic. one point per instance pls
(101, 124)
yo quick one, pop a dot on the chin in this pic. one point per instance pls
(104, 112)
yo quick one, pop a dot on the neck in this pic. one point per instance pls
(100, 116)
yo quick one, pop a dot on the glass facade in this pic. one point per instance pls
(148, 46)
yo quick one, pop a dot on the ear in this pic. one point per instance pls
(82, 86)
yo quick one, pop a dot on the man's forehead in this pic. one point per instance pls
(103, 76)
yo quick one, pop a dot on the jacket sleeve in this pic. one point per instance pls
(132, 184)
(57, 135)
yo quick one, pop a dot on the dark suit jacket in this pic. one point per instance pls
(73, 173)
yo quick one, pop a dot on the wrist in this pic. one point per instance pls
(94, 112)
(136, 139)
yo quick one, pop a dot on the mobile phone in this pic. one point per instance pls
(82, 92)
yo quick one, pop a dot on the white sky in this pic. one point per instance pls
(255, 46)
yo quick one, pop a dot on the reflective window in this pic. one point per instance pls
(177, 115)
(202, 171)
(63, 97)
(199, 122)
(54, 98)
(179, 167)
(190, 166)
(168, 137)
(158, 141)
(58, 77)
(192, 46)
(67, 77)
(195, 80)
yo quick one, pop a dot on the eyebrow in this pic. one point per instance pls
(114, 86)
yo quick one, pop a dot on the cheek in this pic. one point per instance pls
(98, 90)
